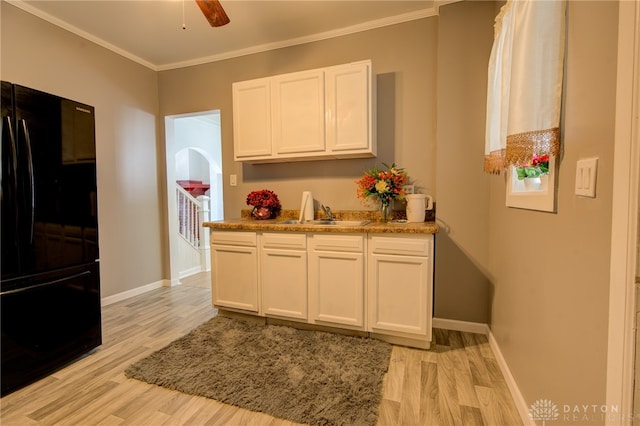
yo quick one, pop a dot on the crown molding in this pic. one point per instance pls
(79, 32)
(365, 26)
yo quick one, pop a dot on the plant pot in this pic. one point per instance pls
(533, 184)
(262, 213)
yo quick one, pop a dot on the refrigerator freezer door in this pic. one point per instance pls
(47, 320)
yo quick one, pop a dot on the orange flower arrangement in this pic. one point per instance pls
(385, 185)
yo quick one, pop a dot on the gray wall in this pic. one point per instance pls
(462, 277)
(424, 66)
(125, 95)
(404, 61)
(550, 306)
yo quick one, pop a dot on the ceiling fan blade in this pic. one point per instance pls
(214, 12)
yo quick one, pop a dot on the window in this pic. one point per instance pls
(524, 194)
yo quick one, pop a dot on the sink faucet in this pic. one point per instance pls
(327, 211)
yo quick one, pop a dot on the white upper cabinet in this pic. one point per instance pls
(325, 113)
(297, 113)
(349, 117)
(252, 119)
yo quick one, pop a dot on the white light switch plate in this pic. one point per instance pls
(586, 172)
(233, 180)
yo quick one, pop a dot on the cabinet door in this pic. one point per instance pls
(400, 294)
(251, 119)
(349, 108)
(234, 277)
(298, 113)
(336, 281)
(284, 283)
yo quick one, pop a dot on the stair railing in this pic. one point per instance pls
(192, 212)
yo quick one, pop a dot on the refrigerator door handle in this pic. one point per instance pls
(47, 284)
(14, 154)
(32, 195)
(14, 168)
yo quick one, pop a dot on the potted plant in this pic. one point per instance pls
(532, 171)
(383, 186)
(266, 204)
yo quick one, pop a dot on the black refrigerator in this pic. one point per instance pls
(50, 286)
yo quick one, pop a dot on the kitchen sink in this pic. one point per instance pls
(339, 222)
(325, 222)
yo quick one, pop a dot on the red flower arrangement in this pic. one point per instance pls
(539, 166)
(265, 204)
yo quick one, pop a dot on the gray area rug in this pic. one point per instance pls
(305, 376)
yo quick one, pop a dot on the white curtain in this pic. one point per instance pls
(524, 90)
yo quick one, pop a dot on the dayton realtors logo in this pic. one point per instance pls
(543, 409)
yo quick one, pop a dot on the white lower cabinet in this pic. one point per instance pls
(336, 280)
(283, 260)
(400, 285)
(234, 270)
(376, 283)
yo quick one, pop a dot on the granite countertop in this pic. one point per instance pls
(398, 226)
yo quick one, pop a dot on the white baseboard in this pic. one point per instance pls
(133, 292)
(466, 326)
(191, 271)
(521, 404)
(481, 328)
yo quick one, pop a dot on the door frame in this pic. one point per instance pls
(624, 226)
(172, 209)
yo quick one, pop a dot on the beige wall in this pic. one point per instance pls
(550, 308)
(404, 61)
(462, 277)
(124, 94)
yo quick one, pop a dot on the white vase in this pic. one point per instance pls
(533, 183)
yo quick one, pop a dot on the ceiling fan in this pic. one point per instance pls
(214, 12)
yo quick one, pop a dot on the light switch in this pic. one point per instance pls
(586, 172)
(233, 180)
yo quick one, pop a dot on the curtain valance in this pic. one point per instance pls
(524, 92)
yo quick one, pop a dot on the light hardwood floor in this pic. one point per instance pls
(457, 382)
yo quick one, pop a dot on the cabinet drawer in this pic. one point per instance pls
(284, 240)
(408, 246)
(234, 238)
(350, 243)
